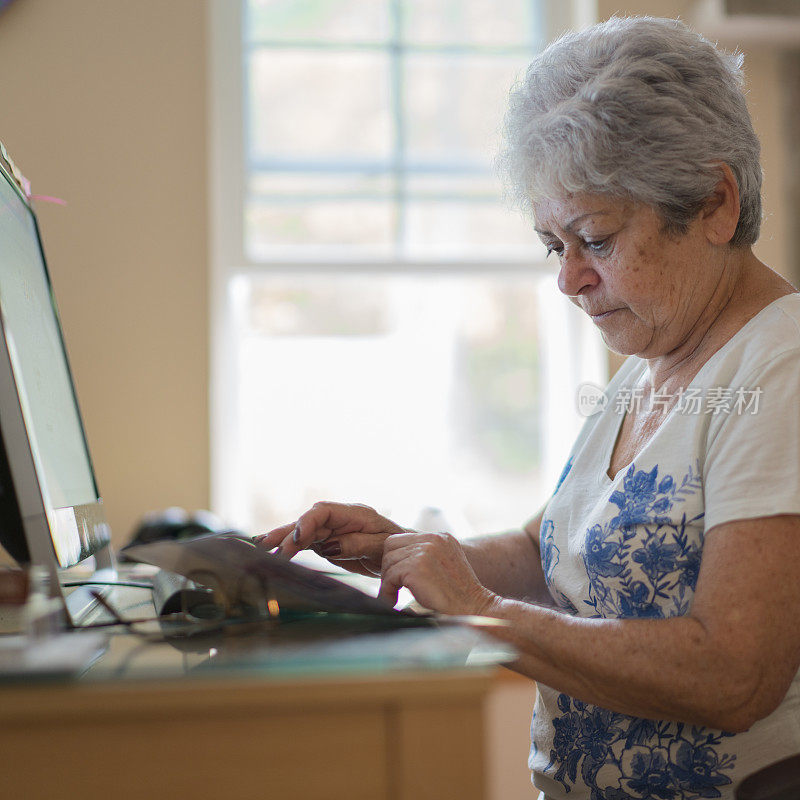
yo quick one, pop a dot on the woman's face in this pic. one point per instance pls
(644, 289)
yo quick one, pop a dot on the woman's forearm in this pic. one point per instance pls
(728, 663)
(658, 669)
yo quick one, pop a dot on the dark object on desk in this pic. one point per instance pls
(174, 594)
(779, 781)
(12, 532)
(173, 524)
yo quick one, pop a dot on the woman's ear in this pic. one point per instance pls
(720, 214)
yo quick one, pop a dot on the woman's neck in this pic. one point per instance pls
(751, 287)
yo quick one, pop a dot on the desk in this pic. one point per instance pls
(408, 735)
(405, 737)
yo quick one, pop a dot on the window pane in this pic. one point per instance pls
(280, 186)
(310, 307)
(482, 22)
(462, 215)
(318, 225)
(454, 104)
(322, 20)
(375, 147)
(402, 392)
(470, 229)
(319, 105)
(422, 185)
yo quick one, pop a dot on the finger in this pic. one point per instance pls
(319, 522)
(352, 546)
(284, 537)
(396, 568)
(274, 537)
(388, 591)
(392, 557)
(311, 528)
(325, 519)
(399, 540)
(288, 548)
(294, 543)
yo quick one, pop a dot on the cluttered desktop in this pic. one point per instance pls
(205, 584)
(191, 640)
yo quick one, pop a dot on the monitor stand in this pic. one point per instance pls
(79, 586)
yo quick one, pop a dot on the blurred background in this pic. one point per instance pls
(284, 266)
(398, 338)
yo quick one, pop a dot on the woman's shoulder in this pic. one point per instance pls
(773, 333)
(782, 314)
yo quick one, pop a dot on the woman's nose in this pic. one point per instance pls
(575, 274)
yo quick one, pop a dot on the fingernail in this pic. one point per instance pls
(295, 536)
(330, 549)
(259, 538)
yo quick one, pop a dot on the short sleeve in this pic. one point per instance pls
(752, 464)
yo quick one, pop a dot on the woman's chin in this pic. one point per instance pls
(619, 343)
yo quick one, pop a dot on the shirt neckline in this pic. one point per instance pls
(609, 451)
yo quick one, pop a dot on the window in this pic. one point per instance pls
(385, 331)
(370, 125)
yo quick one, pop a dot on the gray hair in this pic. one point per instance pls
(639, 108)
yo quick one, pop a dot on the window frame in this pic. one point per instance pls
(229, 261)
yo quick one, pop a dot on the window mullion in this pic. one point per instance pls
(398, 118)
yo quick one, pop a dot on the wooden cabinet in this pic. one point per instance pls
(408, 736)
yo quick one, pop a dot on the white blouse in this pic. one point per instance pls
(631, 546)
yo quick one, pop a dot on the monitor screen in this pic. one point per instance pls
(43, 382)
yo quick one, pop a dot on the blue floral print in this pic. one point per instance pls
(550, 553)
(636, 602)
(564, 473)
(697, 768)
(641, 499)
(643, 562)
(550, 557)
(656, 557)
(601, 556)
(625, 758)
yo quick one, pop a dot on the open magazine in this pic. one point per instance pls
(244, 574)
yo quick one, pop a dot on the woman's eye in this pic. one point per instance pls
(558, 249)
(597, 246)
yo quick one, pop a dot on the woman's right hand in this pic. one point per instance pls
(349, 535)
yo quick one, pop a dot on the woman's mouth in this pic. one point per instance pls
(600, 317)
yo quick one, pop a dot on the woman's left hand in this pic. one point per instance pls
(435, 569)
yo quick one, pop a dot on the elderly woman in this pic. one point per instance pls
(655, 598)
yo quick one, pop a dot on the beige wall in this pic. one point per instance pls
(102, 103)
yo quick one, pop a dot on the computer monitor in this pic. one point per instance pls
(51, 513)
